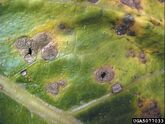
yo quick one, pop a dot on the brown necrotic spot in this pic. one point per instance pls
(121, 29)
(24, 45)
(125, 26)
(30, 58)
(29, 47)
(54, 87)
(30, 55)
(104, 74)
(151, 110)
(1, 87)
(49, 52)
(128, 20)
(23, 42)
(116, 88)
(130, 53)
(62, 83)
(132, 3)
(142, 57)
(41, 39)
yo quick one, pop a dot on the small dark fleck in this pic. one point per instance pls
(162, 1)
(142, 58)
(65, 28)
(140, 103)
(93, 1)
(62, 26)
(131, 33)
